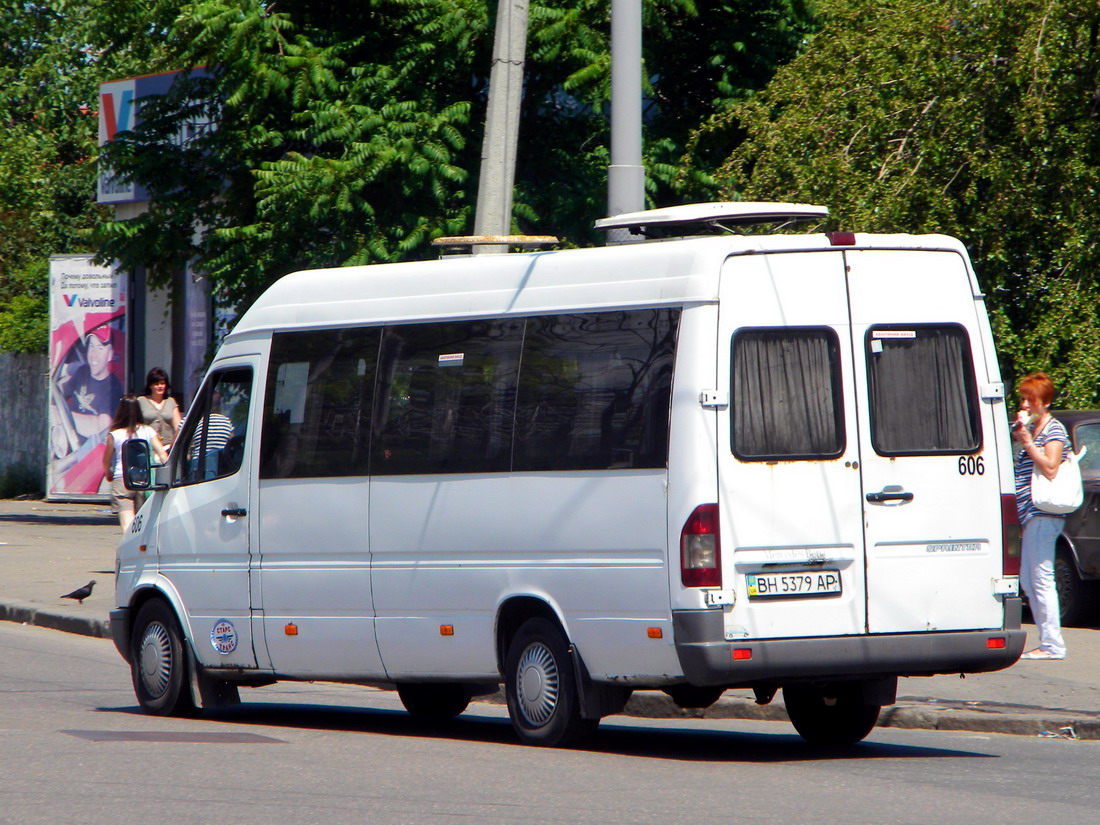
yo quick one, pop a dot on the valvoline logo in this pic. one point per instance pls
(84, 301)
(117, 107)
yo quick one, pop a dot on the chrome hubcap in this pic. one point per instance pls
(538, 682)
(155, 659)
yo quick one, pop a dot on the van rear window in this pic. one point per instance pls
(787, 403)
(923, 396)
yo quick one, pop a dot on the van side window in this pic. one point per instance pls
(923, 396)
(447, 397)
(595, 391)
(786, 398)
(317, 410)
(213, 439)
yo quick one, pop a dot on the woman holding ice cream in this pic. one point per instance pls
(1044, 444)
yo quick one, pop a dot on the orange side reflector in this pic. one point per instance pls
(290, 629)
(996, 643)
(742, 653)
(141, 548)
(446, 630)
(654, 633)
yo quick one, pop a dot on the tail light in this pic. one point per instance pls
(1010, 536)
(700, 551)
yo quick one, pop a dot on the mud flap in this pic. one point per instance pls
(880, 692)
(209, 693)
(596, 699)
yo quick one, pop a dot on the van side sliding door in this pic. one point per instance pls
(314, 571)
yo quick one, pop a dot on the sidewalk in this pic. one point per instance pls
(47, 549)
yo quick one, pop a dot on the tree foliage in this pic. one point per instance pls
(325, 115)
(345, 132)
(349, 133)
(979, 118)
(49, 76)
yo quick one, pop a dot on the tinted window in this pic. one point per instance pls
(923, 394)
(317, 413)
(1088, 435)
(449, 396)
(786, 395)
(595, 391)
(213, 440)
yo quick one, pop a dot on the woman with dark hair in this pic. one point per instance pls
(158, 408)
(126, 425)
(1044, 441)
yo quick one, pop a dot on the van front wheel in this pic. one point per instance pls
(158, 663)
(830, 715)
(541, 687)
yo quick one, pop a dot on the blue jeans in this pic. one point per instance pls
(1037, 579)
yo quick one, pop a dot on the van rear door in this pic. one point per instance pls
(790, 503)
(931, 489)
(856, 495)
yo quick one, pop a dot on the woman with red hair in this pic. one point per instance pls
(1044, 443)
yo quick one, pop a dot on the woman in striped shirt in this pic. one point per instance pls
(1044, 443)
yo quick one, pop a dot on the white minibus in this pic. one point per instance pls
(713, 458)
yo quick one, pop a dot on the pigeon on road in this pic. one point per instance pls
(81, 593)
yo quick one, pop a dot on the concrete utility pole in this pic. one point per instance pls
(498, 152)
(625, 175)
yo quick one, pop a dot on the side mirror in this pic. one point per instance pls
(136, 464)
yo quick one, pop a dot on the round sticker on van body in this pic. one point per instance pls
(223, 636)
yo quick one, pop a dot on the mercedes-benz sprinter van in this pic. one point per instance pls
(709, 459)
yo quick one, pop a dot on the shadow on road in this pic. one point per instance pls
(680, 743)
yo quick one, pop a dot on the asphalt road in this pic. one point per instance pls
(48, 548)
(77, 750)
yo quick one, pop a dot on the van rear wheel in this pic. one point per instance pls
(541, 687)
(158, 662)
(830, 715)
(433, 702)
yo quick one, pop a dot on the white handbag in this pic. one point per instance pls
(1062, 494)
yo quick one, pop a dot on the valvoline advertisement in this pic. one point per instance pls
(87, 371)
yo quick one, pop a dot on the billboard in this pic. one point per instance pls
(117, 113)
(87, 372)
(120, 111)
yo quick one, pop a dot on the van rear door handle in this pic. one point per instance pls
(234, 512)
(889, 494)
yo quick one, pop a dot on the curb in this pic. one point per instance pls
(54, 619)
(912, 713)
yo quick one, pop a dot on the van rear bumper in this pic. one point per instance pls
(708, 659)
